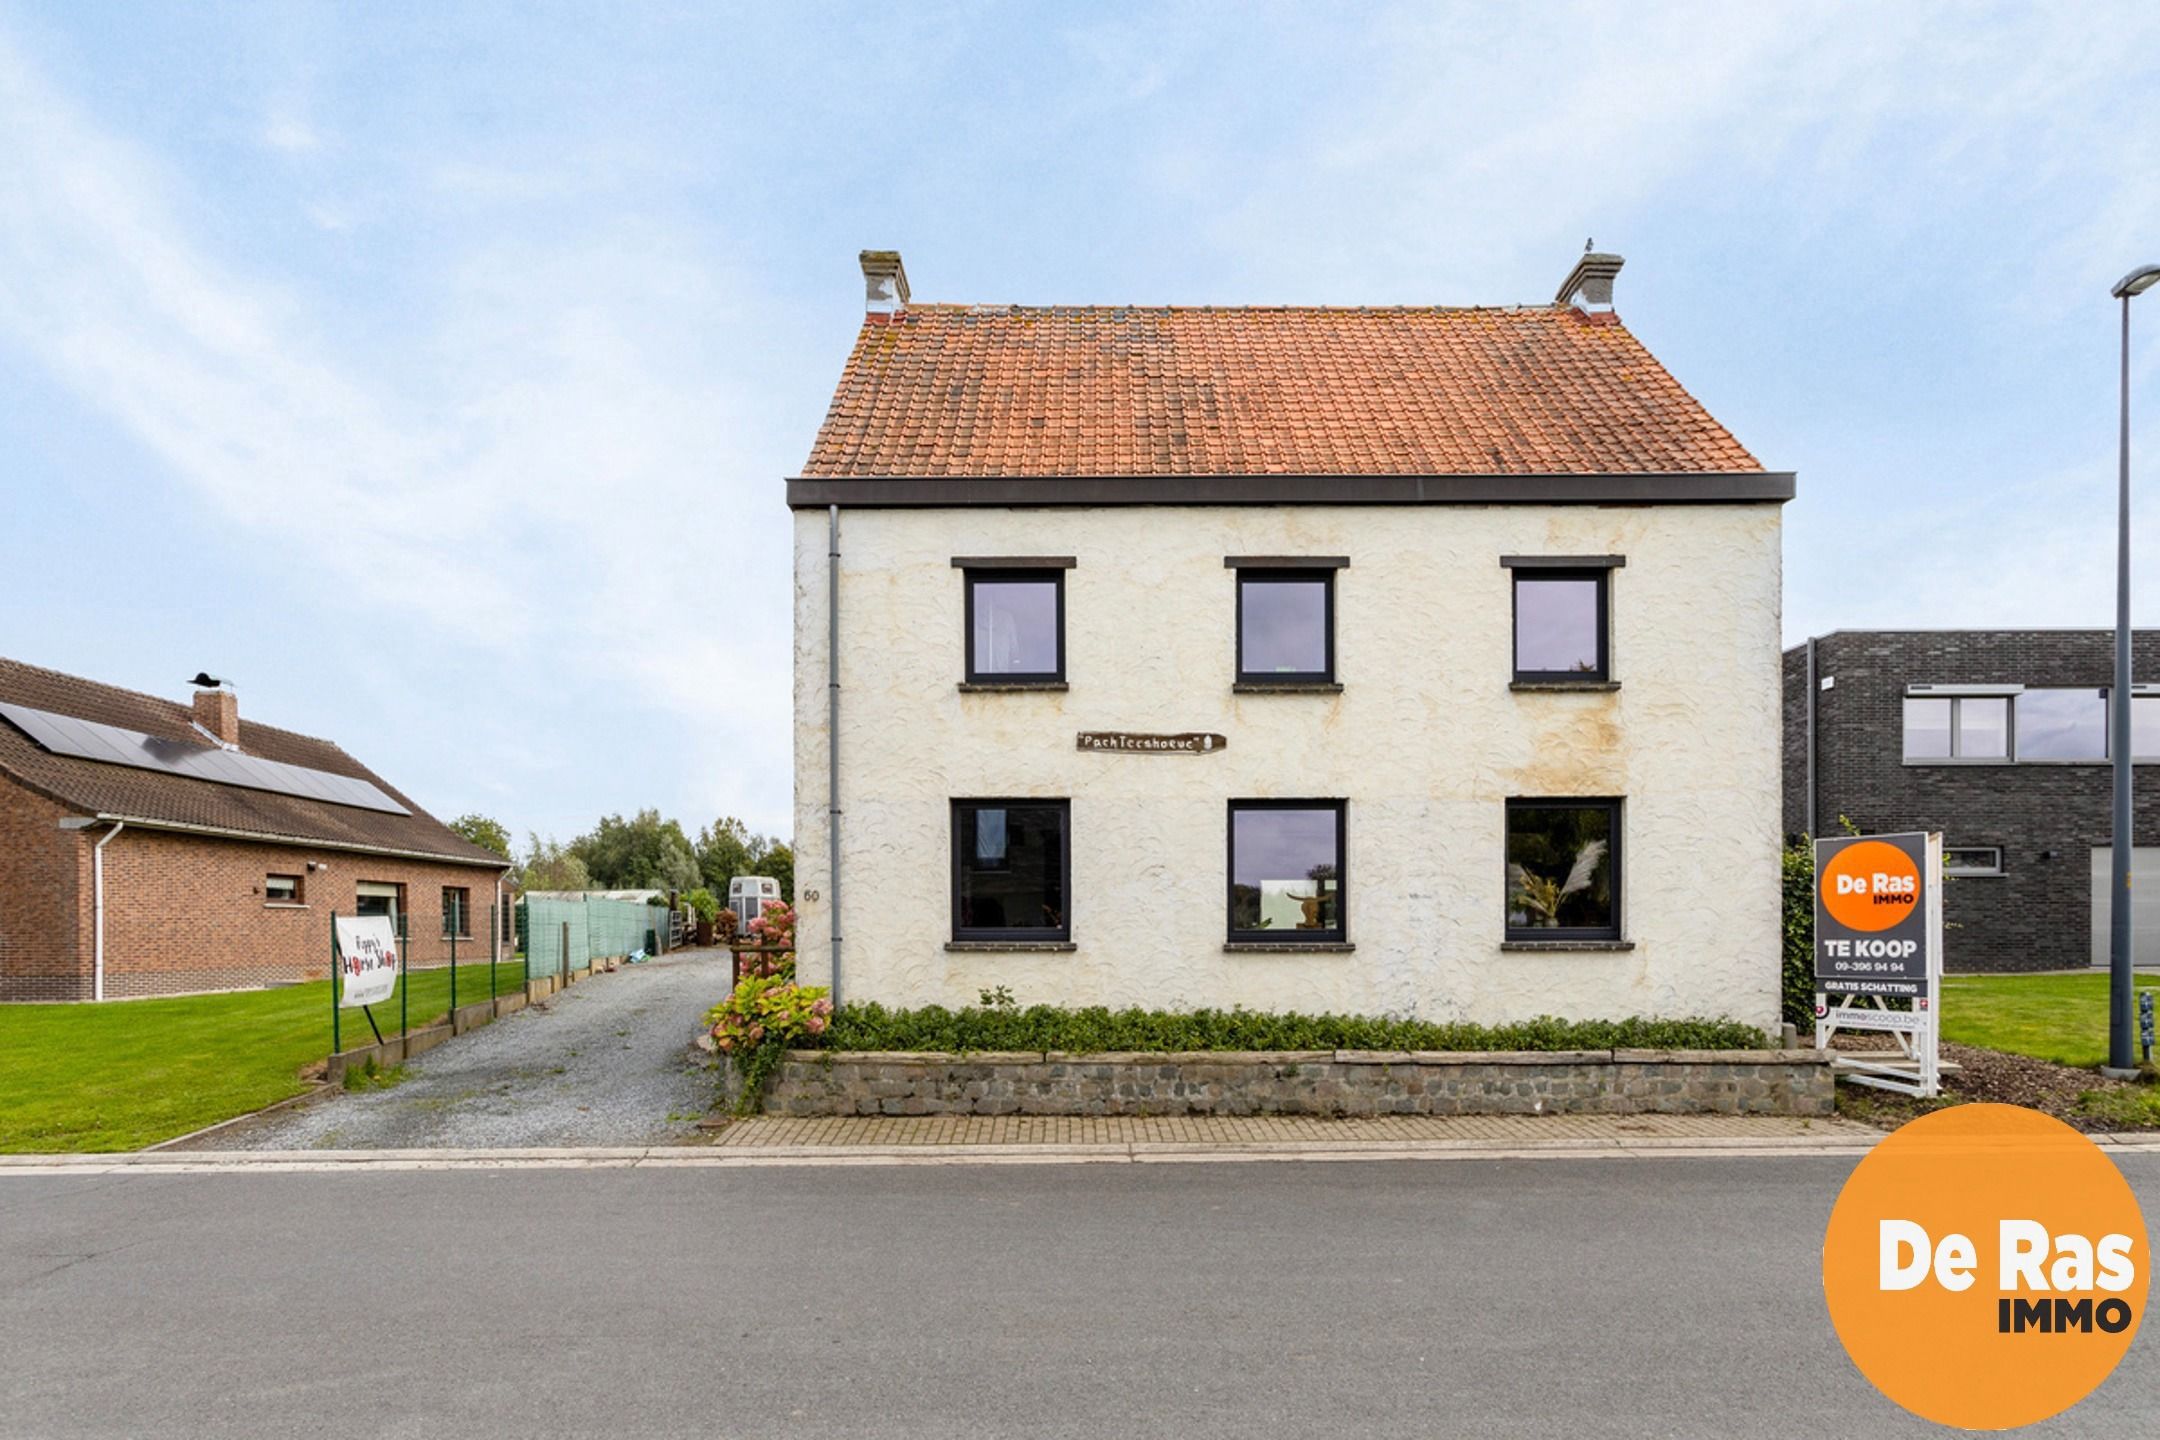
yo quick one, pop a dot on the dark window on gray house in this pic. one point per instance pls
(1563, 869)
(1286, 626)
(1012, 869)
(1560, 625)
(1015, 625)
(1286, 870)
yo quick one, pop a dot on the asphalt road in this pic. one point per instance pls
(1458, 1298)
(605, 1062)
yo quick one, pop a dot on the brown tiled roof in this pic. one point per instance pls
(1003, 390)
(96, 788)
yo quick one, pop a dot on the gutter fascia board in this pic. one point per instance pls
(1679, 487)
(346, 847)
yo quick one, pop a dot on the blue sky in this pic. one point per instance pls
(433, 369)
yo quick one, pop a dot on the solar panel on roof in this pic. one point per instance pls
(111, 745)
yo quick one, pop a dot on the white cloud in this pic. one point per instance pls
(290, 134)
(536, 467)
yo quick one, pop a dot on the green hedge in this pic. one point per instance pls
(1798, 976)
(1046, 1027)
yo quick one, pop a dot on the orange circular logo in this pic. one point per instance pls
(1870, 886)
(1986, 1266)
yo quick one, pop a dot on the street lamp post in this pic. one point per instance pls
(2122, 1061)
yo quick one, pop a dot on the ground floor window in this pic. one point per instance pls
(380, 897)
(1286, 870)
(1563, 869)
(1011, 869)
(457, 912)
(281, 889)
(1972, 860)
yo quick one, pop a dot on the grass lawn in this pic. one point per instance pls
(122, 1075)
(2062, 1018)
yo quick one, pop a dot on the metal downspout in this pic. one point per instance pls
(832, 736)
(97, 889)
(1811, 692)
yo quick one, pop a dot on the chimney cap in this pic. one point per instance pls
(1591, 280)
(885, 287)
(210, 682)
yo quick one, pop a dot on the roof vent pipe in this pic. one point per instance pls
(885, 287)
(1590, 282)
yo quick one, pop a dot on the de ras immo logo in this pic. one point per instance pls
(1986, 1266)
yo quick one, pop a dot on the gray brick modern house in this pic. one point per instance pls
(1997, 738)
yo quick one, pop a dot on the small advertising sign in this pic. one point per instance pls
(367, 960)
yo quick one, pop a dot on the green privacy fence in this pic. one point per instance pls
(559, 934)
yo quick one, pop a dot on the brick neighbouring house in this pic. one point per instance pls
(195, 871)
(1998, 739)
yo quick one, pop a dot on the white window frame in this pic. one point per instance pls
(1956, 694)
(1995, 867)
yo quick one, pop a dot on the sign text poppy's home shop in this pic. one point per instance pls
(1417, 660)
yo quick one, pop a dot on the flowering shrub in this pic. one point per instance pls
(765, 1017)
(774, 926)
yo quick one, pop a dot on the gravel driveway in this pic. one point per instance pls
(605, 1062)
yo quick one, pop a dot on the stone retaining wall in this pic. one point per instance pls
(1303, 1082)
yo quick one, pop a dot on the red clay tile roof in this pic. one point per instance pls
(95, 788)
(1002, 390)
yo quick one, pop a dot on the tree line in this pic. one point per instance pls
(642, 852)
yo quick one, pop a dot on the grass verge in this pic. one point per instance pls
(123, 1075)
(2059, 1018)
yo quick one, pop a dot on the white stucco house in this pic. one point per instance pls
(1418, 660)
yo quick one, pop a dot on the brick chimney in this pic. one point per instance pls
(884, 282)
(1590, 282)
(218, 711)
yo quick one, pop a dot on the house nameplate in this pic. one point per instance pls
(1190, 743)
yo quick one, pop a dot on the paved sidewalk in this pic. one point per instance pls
(1392, 1131)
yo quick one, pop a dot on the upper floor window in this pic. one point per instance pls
(1015, 621)
(1563, 617)
(2145, 727)
(1012, 869)
(2062, 725)
(1285, 619)
(1957, 727)
(1286, 870)
(281, 889)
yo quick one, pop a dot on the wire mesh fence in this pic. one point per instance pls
(558, 935)
(439, 974)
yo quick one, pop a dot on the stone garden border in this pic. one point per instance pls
(1300, 1082)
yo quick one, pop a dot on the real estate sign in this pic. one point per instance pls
(1878, 954)
(1873, 898)
(367, 959)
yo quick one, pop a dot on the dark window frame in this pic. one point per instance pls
(967, 934)
(1616, 808)
(1602, 576)
(461, 911)
(299, 888)
(1339, 934)
(1322, 575)
(1009, 574)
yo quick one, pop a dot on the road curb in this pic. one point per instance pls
(763, 1156)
